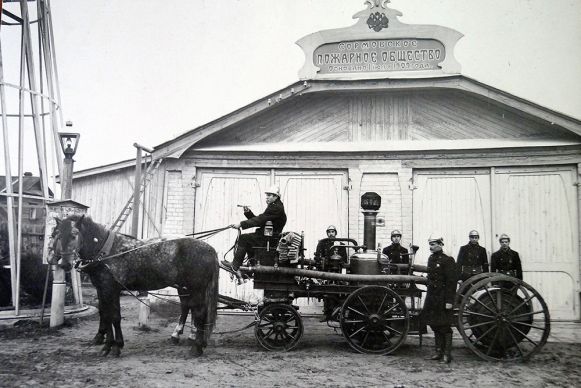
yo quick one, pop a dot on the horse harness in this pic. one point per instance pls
(102, 254)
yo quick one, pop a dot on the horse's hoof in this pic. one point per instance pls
(196, 351)
(175, 340)
(116, 351)
(98, 340)
(105, 351)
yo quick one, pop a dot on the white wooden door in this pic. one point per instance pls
(314, 200)
(217, 198)
(450, 204)
(537, 208)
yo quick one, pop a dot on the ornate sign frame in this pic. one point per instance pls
(378, 45)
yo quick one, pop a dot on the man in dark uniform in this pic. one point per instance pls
(505, 260)
(274, 212)
(330, 256)
(327, 247)
(438, 307)
(472, 258)
(396, 253)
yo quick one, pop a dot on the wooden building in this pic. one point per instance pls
(446, 153)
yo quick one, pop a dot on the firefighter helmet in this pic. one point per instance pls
(435, 238)
(503, 236)
(395, 232)
(273, 190)
(331, 227)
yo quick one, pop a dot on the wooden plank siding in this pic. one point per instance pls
(341, 117)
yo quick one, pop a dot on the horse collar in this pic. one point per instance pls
(106, 248)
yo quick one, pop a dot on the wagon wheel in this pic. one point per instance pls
(465, 286)
(374, 319)
(279, 327)
(503, 319)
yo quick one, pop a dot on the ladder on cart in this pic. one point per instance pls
(128, 208)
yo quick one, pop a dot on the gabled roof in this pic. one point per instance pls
(30, 185)
(176, 147)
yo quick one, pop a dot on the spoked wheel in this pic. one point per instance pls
(279, 328)
(502, 318)
(465, 286)
(374, 319)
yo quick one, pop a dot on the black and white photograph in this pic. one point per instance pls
(290, 193)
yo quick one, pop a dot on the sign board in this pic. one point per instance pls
(380, 46)
(60, 210)
(379, 55)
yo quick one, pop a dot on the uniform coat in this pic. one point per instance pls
(506, 262)
(472, 260)
(395, 252)
(325, 248)
(442, 278)
(274, 212)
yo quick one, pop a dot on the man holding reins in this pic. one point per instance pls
(274, 212)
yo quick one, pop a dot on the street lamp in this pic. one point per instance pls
(69, 142)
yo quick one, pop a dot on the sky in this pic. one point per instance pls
(146, 71)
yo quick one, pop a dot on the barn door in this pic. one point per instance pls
(314, 200)
(216, 199)
(537, 208)
(451, 203)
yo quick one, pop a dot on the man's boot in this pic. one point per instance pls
(439, 347)
(447, 348)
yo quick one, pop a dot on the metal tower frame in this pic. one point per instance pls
(38, 81)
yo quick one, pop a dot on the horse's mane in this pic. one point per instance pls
(87, 223)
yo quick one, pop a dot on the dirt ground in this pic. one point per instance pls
(34, 356)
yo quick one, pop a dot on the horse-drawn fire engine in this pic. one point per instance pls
(376, 304)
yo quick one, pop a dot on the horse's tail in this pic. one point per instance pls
(212, 294)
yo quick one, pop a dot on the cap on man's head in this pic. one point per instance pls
(395, 233)
(503, 236)
(473, 233)
(273, 190)
(331, 227)
(435, 238)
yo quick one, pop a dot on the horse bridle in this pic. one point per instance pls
(81, 264)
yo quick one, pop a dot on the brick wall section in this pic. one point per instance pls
(173, 220)
(387, 186)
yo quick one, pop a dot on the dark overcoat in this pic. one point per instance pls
(394, 252)
(442, 278)
(274, 212)
(506, 262)
(472, 260)
(325, 248)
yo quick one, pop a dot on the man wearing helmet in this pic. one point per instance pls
(472, 258)
(274, 212)
(327, 247)
(441, 292)
(396, 253)
(505, 260)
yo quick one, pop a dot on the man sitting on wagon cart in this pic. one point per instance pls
(274, 212)
(328, 248)
(438, 307)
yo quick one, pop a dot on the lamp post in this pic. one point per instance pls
(69, 142)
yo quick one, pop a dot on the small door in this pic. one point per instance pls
(314, 200)
(217, 198)
(537, 208)
(451, 203)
